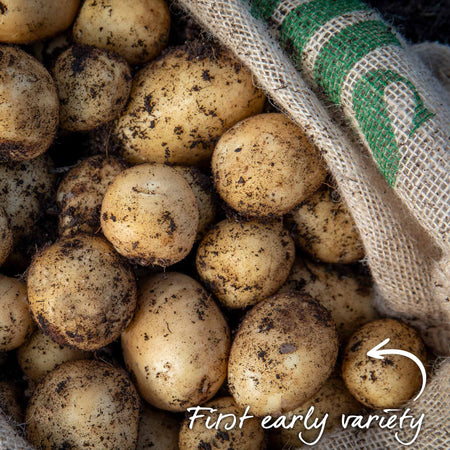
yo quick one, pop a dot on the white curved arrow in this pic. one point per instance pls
(378, 354)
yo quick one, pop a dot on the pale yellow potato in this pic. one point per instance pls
(324, 228)
(24, 21)
(177, 345)
(10, 401)
(80, 194)
(81, 293)
(150, 215)
(93, 87)
(29, 106)
(40, 355)
(181, 103)
(346, 295)
(283, 352)
(265, 166)
(242, 263)
(388, 382)
(202, 188)
(16, 323)
(25, 187)
(333, 399)
(226, 436)
(6, 236)
(84, 404)
(158, 430)
(138, 30)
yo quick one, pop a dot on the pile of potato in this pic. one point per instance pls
(169, 240)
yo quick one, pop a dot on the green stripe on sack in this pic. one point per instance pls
(371, 111)
(345, 49)
(304, 20)
(264, 8)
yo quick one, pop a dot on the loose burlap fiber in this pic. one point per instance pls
(405, 249)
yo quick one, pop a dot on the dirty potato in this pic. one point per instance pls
(93, 87)
(150, 215)
(135, 29)
(244, 262)
(24, 21)
(323, 227)
(388, 382)
(10, 404)
(227, 434)
(40, 355)
(283, 352)
(6, 236)
(265, 166)
(80, 194)
(177, 345)
(29, 106)
(348, 296)
(176, 118)
(16, 324)
(81, 293)
(84, 404)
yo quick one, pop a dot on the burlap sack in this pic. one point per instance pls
(405, 235)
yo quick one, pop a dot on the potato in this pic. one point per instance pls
(333, 399)
(176, 118)
(29, 107)
(84, 404)
(202, 189)
(40, 355)
(150, 215)
(243, 263)
(24, 21)
(93, 87)
(282, 354)
(10, 401)
(80, 194)
(25, 188)
(80, 292)
(346, 295)
(225, 436)
(158, 430)
(265, 166)
(324, 228)
(383, 383)
(6, 236)
(136, 29)
(16, 323)
(177, 344)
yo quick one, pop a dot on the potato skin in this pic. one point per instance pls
(244, 262)
(137, 30)
(80, 194)
(265, 166)
(6, 236)
(10, 401)
(158, 430)
(29, 106)
(177, 344)
(388, 382)
(150, 215)
(93, 87)
(249, 437)
(324, 228)
(84, 404)
(16, 324)
(81, 293)
(176, 119)
(346, 295)
(24, 21)
(282, 354)
(25, 187)
(40, 355)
